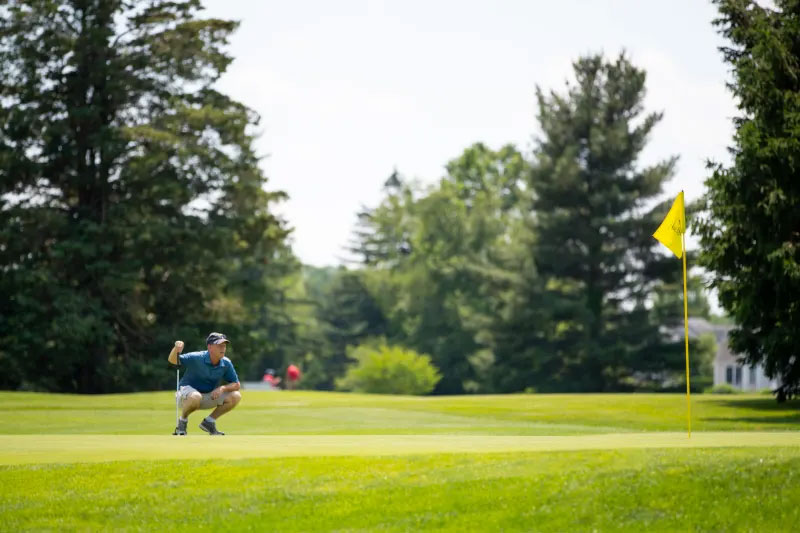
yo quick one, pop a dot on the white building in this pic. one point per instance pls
(727, 369)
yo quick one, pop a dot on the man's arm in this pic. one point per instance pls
(233, 383)
(173, 355)
(222, 389)
(230, 387)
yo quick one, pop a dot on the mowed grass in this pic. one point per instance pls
(302, 461)
(26, 449)
(633, 490)
(315, 413)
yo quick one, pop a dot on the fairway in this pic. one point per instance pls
(319, 413)
(314, 461)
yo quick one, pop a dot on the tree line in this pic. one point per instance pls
(133, 211)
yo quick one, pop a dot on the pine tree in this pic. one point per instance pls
(592, 247)
(750, 233)
(129, 190)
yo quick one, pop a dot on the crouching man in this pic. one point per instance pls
(200, 385)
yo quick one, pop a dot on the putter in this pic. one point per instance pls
(177, 397)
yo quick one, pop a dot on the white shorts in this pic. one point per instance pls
(207, 402)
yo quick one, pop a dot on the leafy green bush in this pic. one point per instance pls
(386, 369)
(703, 384)
(723, 389)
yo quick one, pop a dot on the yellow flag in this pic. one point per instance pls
(670, 234)
(674, 225)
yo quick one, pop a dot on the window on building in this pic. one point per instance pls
(729, 375)
(738, 375)
(752, 375)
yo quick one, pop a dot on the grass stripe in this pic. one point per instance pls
(25, 449)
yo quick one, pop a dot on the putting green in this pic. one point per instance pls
(24, 449)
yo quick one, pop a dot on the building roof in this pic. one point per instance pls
(701, 326)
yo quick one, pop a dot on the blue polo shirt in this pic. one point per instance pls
(202, 375)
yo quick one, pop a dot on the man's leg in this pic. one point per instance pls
(191, 403)
(190, 400)
(231, 401)
(209, 423)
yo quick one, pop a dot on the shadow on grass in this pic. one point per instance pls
(762, 404)
(787, 420)
(787, 413)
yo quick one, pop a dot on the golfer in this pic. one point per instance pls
(200, 385)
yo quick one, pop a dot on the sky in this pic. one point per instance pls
(350, 90)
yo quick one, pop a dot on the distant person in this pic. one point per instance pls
(292, 377)
(271, 379)
(200, 387)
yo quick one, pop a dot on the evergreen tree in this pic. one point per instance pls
(381, 235)
(131, 206)
(750, 233)
(592, 247)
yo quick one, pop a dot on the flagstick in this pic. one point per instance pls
(686, 331)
